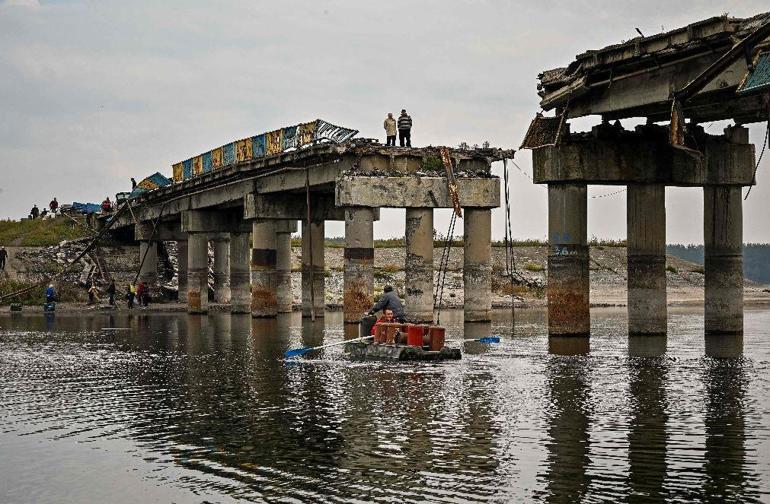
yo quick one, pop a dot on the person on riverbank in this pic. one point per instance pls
(390, 130)
(35, 212)
(3, 257)
(107, 205)
(131, 295)
(143, 294)
(389, 300)
(405, 129)
(53, 206)
(111, 292)
(50, 294)
(93, 293)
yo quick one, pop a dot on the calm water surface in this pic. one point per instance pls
(203, 409)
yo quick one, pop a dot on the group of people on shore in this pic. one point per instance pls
(53, 208)
(134, 293)
(404, 127)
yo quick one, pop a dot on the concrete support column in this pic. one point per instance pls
(477, 265)
(181, 270)
(419, 265)
(358, 263)
(222, 268)
(646, 238)
(197, 272)
(264, 302)
(313, 237)
(723, 239)
(148, 258)
(240, 276)
(284, 297)
(568, 274)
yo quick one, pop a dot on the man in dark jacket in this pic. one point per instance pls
(3, 257)
(389, 300)
(405, 129)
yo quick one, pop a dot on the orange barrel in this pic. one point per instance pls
(437, 336)
(379, 333)
(414, 335)
(390, 333)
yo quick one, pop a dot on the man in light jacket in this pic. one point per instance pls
(405, 128)
(390, 129)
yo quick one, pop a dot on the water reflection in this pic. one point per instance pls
(209, 405)
(725, 380)
(647, 437)
(568, 419)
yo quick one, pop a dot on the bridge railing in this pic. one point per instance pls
(261, 146)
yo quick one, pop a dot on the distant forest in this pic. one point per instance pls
(756, 258)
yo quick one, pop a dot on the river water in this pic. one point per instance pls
(178, 408)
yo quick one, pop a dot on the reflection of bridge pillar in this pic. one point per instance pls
(313, 237)
(240, 277)
(646, 237)
(419, 265)
(222, 268)
(283, 293)
(358, 263)
(263, 262)
(148, 257)
(477, 265)
(568, 274)
(198, 272)
(181, 270)
(723, 239)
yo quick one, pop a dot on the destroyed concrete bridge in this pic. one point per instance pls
(250, 208)
(716, 69)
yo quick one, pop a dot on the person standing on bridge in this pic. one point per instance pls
(390, 130)
(3, 256)
(405, 128)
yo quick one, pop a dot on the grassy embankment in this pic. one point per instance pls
(40, 232)
(37, 233)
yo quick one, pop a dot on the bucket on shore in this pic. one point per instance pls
(16, 307)
(414, 334)
(49, 307)
(366, 325)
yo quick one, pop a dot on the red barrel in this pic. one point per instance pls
(414, 335)
(390, 333)
(379, 333)
(437, 336)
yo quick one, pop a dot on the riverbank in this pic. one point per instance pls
(685, 280)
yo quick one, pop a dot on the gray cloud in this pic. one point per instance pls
(96, 92)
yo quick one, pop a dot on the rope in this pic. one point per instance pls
(443, 266)
(510, 260)
(764, 145)
(310, 245)
(614, 193)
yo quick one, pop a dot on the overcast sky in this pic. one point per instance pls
(92, 93)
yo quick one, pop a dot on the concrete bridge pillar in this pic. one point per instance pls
(723, 239)
(221, 268)
(264, 302)
(358, 262)
(568, 273)
(284, 297)
(477, 266)
(181, 269)
(198, 272)
(313, 244)
(646, 238)
(419, 265)
(148, 258)
(240, 276)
